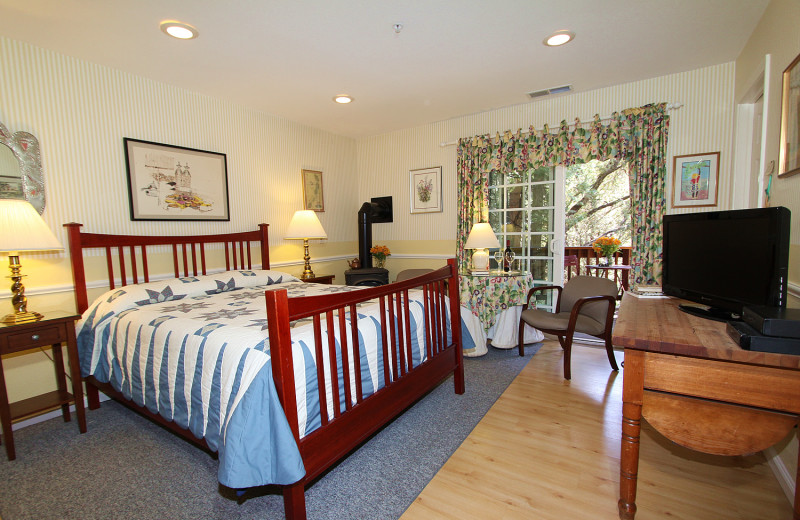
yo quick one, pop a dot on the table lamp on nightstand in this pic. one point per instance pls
(305, 225)
(22, 229)
(481, 238)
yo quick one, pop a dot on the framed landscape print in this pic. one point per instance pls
(426, 190)
(695, 179)
(174, 183)
(790, 121)
(312, 191)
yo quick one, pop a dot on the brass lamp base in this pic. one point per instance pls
(21, 317)
(307, 272)
(18, 300)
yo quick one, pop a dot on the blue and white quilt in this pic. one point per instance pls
(195, 350)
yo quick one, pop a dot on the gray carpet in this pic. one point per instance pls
(126, 467)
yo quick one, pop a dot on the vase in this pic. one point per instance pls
(606, 260)
(379, 262)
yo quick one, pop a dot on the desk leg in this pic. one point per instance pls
(796, 515)
(61, 378)
(632, 393)
(75, 375)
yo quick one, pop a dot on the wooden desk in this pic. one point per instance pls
(694, 385)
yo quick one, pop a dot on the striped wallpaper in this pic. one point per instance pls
(80, 112)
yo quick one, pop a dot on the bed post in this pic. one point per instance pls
(455, 325)
(264, 229)
(78, 276)
(280, 351)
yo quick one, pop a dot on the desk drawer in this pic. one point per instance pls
(36, 338)
(772, 388)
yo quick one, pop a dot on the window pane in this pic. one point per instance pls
(539, 245)
(541, 269)
(542, 220)
(514, 197)
(496, 221)
(545, 299)
(545, 173)
(515, 177)
(513, 221)
(542, 195)
(496, 178)
(496, 198)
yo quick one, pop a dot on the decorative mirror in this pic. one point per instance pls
(21, 175)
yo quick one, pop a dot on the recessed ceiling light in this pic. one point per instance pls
(179, 30)
(559, 38)
(343, 99)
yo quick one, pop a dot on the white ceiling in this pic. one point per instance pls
(453, 57)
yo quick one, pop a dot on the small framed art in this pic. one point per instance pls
(312, 191)
(426, 190)
(790, 121)
(174, 183)
(695, 180)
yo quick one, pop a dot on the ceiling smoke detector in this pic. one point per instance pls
(550, 91)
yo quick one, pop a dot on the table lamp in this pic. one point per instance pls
(481, 238)
(22, 229)
(305, 225)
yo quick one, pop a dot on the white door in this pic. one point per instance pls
(527, 213)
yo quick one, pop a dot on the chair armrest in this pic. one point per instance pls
(541, 288)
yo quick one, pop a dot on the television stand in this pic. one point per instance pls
(710, 313)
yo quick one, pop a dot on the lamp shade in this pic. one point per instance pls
(23, 229)
(481, 237)
(305, 224)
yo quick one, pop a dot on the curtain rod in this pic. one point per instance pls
(670, 106)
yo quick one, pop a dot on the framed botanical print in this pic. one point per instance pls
(174, 183)
(695, 180)
(426, 190)
(312, 191)
(790, 121)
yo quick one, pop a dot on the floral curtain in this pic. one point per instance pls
(638, 135)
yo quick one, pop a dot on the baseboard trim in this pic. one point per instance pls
(781, 472)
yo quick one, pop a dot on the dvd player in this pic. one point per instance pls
(750, 339)
(773, 321)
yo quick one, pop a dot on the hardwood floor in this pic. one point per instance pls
(549, 449)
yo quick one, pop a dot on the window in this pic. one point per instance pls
(526, 212)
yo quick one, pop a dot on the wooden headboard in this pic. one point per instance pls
(185, 252)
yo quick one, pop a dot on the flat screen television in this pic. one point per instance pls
(726, 260)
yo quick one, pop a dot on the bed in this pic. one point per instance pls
(198, 354)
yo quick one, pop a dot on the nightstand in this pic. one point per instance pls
(326, 279)
(55, 328)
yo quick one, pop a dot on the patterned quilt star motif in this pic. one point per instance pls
(224, 287)
(244, 295)
(158, 297)
(185, 307)
(227, 314)
(262, 323)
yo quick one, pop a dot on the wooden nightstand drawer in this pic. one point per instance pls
(36, 338)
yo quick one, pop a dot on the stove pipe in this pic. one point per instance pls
(365, 234)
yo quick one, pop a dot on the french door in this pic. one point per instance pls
(526, 211)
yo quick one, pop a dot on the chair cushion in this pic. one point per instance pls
(547, 321)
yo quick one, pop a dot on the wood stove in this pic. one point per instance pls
(366, 275)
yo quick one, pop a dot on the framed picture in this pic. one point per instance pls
(790, 121)
(312, 191)
(695, 180)
(426, 190)
(174, 183)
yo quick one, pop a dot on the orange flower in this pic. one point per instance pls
(606, 246)
(380, 252)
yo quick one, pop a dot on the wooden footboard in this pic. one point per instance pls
(403, 384)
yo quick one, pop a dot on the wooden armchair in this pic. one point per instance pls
(585, 304)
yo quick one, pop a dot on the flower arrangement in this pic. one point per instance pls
(379, 253)
(606, 246)
(424, 189)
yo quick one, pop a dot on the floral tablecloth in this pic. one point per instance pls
(487, 296)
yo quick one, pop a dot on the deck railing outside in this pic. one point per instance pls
(587, 256)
